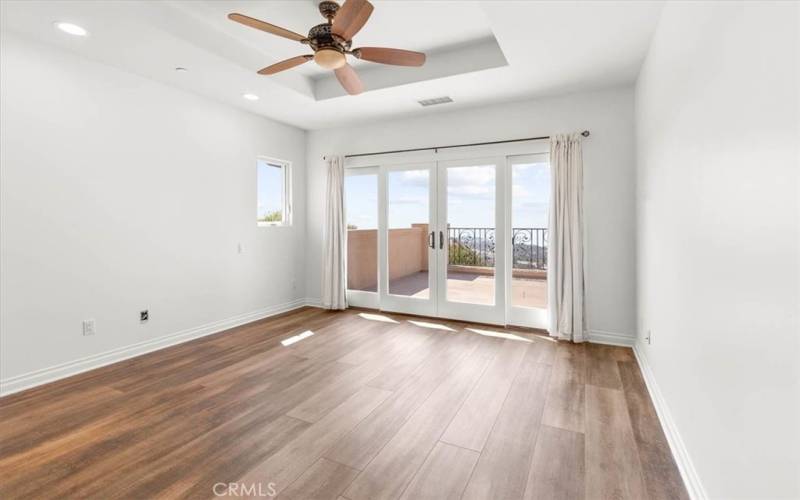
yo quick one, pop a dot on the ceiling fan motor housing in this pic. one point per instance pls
(321, 37)
(328, 9)
(329, 49)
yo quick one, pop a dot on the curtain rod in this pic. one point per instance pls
(585, 133)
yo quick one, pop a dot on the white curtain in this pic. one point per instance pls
(334, 239)
(565, 281)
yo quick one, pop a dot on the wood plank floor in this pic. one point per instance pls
(370, 406)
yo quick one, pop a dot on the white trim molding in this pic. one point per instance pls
(313, 302)
(70, 368)
(679, 452)
(611, 338)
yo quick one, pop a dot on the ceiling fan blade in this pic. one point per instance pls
(397, 57)
(349, 79)
(264, 26)
(285, 64)
(351, 18)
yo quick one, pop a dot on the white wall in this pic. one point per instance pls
(608, 168)
(120, 194)
(717, 139)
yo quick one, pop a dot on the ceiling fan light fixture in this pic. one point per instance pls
(329, 58)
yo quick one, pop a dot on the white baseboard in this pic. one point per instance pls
(611, 338)
(53, 373)
(313, 302)
(679, 452)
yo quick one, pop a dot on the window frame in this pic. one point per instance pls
(286, 192)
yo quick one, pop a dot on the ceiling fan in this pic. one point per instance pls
(332, 40)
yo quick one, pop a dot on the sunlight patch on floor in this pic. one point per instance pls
(499, 335)
(434, 326)
(297, 338)
(377, 317)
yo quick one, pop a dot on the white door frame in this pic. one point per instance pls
(361, 298)
(505, 155)
(400, 303)
(515, 315)
(483, 313)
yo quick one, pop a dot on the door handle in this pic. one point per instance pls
(441, 240)
(432, 240)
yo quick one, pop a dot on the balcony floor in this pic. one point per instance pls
(473, 288)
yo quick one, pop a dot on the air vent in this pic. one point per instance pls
(435, 101)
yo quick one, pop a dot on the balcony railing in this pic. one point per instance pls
(529, 246)
(475, 246)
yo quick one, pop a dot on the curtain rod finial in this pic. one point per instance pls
(585, 133)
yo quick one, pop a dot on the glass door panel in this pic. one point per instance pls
(530, 199)
(529, 211)
(471, 260)
(408, 273)
(471, 234)
(407, 219)
(361, 208)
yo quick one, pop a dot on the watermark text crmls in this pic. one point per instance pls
(248, 490)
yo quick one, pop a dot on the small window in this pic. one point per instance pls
(273, 188)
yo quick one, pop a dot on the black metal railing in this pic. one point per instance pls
(471, 246)
(475, 246)
(529, 247)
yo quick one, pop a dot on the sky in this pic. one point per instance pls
(269, 184)
(530, 195)
(470, 197)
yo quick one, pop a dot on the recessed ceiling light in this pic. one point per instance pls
(72, 29)
(250, 97)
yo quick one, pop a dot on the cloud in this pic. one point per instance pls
(471, 182)
(407, 201)
(471, 176)
(481, 192)
(534, 204)
(522, 167)
(417, 178)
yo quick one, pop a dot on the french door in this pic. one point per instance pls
(459, 238)
(441, 239)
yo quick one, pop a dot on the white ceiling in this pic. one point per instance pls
(479, 52)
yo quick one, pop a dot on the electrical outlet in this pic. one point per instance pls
(88, 327)
(144, 316)
(649, 337)
(239, 248)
